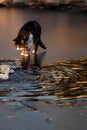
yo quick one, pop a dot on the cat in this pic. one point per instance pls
(30, 33)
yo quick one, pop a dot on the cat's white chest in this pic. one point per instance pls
(30, 40)
(29, 44)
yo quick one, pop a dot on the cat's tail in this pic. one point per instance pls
(42, 45)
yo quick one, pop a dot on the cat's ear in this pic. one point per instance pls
(14, 41)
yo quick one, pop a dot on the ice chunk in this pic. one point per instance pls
(4, 71)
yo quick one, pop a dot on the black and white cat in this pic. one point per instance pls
(30, 33)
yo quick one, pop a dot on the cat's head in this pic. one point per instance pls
(19, 43)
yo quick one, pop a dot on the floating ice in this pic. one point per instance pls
(4, 71)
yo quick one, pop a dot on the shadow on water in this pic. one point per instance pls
(60, 84)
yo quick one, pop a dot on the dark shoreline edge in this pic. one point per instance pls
(49, 6)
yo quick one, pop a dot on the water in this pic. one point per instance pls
(61, 84)
(63, 34)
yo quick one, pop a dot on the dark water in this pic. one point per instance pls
(65, 35)
(60, 84)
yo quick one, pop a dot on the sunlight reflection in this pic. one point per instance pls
(56, 84)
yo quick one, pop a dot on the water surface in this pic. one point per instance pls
(61, 84)
(63, 34)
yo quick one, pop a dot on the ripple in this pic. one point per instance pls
(60, 84)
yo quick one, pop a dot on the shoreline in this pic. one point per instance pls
(70, 8)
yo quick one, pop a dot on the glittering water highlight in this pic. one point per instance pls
(60, 84)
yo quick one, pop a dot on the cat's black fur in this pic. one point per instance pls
(32, 27)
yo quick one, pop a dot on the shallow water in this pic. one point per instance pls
(64, 34)
(61, 84)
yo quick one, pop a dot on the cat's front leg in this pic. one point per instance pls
(25, 51)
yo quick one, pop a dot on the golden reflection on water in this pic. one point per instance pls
(69, 82)
(57, 84)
